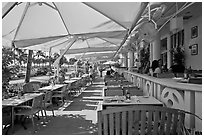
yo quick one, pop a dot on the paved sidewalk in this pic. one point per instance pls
(76, 117)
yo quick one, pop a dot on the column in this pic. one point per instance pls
(168, 52)
(124, 60)
(120, 59)
(130, 60)
(156, 48)
(151, 52)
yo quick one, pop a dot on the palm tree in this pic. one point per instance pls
(21, 57)
(39, 54)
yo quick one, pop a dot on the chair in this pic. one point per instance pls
(35, 84)
(31, 86)
(75, 88)
(27, 88)
(134, 91)
(113, 92)
(31, 111)
(60, 94)
(6, 119)
(144, 120)
(47, 103)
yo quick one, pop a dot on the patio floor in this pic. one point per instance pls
(78, 116)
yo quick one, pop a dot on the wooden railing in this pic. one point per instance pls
(173, 94)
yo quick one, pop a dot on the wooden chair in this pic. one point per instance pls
(47, 103)
(60, 94)
(31, 111)
(113, 92)
(134, 91)
(144, 120)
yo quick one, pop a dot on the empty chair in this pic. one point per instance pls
(144, 120)
(75, 88)
(47, 103)
(112, 83)
(113, 92)
(31, 111)
(27, 88)
(36, 85)
(32, 86)
(134, 91)
(60, 94)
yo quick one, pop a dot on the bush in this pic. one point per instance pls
(8, 70)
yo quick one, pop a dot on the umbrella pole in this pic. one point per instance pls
(50, 60)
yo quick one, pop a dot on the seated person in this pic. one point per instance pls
(155, 70)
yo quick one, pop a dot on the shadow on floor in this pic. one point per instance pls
(77, 117)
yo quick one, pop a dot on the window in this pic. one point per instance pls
(164, 51)
(177, 39)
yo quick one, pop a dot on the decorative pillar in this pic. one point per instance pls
(156, 48)
(120, 58)
(169, 55)
(151, 52)
(130, 60)
(124, 60)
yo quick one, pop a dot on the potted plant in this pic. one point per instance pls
(178, 60)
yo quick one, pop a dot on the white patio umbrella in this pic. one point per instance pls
(36, 23)
(39, 25)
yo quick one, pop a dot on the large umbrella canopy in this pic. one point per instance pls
(49, 25)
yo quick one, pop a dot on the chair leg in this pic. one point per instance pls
(43, 116)
(37, 116)
(45, 113)
(53, 114)
(22, 123)
(32, 118)
(6, 133)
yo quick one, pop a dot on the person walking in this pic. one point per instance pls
(91, 74)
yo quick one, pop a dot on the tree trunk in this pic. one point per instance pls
(29, 65)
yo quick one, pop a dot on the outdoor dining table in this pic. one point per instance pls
(70, 81)
(52, 87)
(76, 78)
(132, 89)
(118, 101)
(85, 75)
(16, 101)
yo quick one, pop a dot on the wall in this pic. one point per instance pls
(195, 61)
